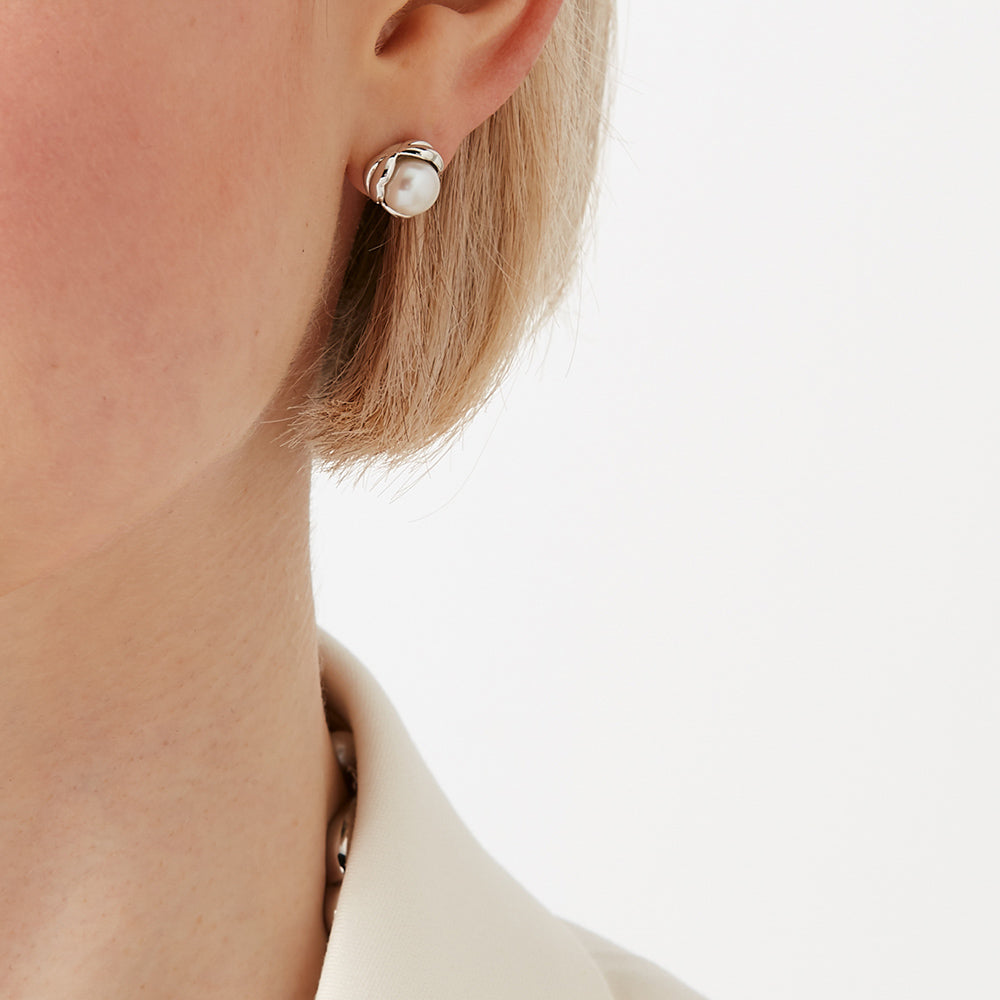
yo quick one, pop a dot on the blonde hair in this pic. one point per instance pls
(432, 309)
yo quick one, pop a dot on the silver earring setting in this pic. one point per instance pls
(405, 179)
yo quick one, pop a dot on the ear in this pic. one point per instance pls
(437, 70)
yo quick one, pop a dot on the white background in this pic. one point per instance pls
(699, 627)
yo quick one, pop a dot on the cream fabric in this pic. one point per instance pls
(425, 913)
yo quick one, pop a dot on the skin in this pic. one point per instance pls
(177, 181)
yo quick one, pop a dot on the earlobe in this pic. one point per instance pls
(438, 70)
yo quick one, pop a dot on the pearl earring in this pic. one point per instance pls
(405, 179)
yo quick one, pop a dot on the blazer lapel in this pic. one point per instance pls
(425, 913)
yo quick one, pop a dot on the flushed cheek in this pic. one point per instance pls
(159, 239)
(136, 198)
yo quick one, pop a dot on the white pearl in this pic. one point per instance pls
(414, 186)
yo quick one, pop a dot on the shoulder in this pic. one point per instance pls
(630, 977)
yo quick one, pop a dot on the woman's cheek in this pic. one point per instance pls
(156, 255)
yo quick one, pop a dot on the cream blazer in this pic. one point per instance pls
(425, 913)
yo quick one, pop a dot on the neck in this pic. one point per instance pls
(164, 759)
